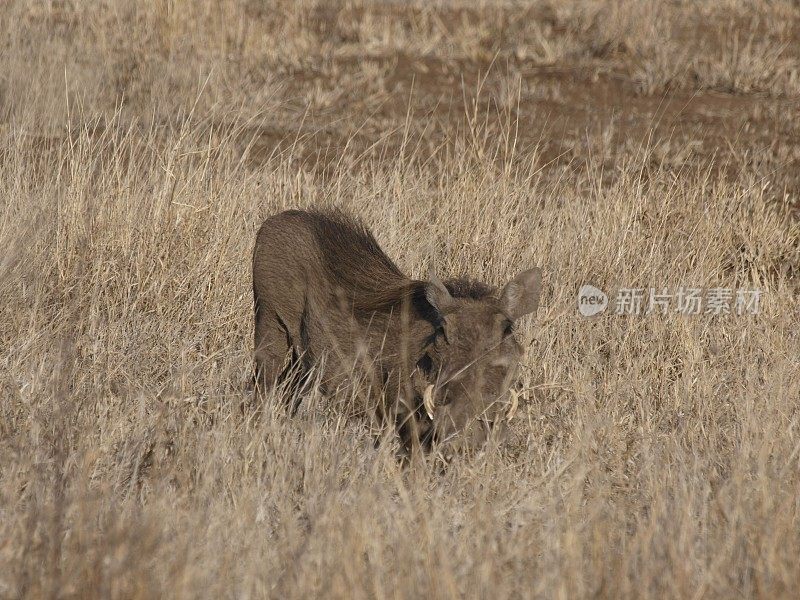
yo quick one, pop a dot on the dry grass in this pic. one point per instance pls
(657, 456)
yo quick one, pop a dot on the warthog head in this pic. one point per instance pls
(471, 362)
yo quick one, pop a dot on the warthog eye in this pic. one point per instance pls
(508, 328)
(425, 364)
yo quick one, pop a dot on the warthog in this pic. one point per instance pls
(436, 360)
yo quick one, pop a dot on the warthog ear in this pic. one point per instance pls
(436, 294)
(521, 294)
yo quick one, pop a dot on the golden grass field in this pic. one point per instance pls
(621, 143)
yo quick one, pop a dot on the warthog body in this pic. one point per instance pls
(434, 359)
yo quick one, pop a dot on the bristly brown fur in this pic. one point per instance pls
(468, 288)
(368, 277)
(353, 258)
(352, 254)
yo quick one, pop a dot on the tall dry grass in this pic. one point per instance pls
(657, 456)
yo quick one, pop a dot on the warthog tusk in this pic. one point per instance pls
(427, 401)
(514, 404)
